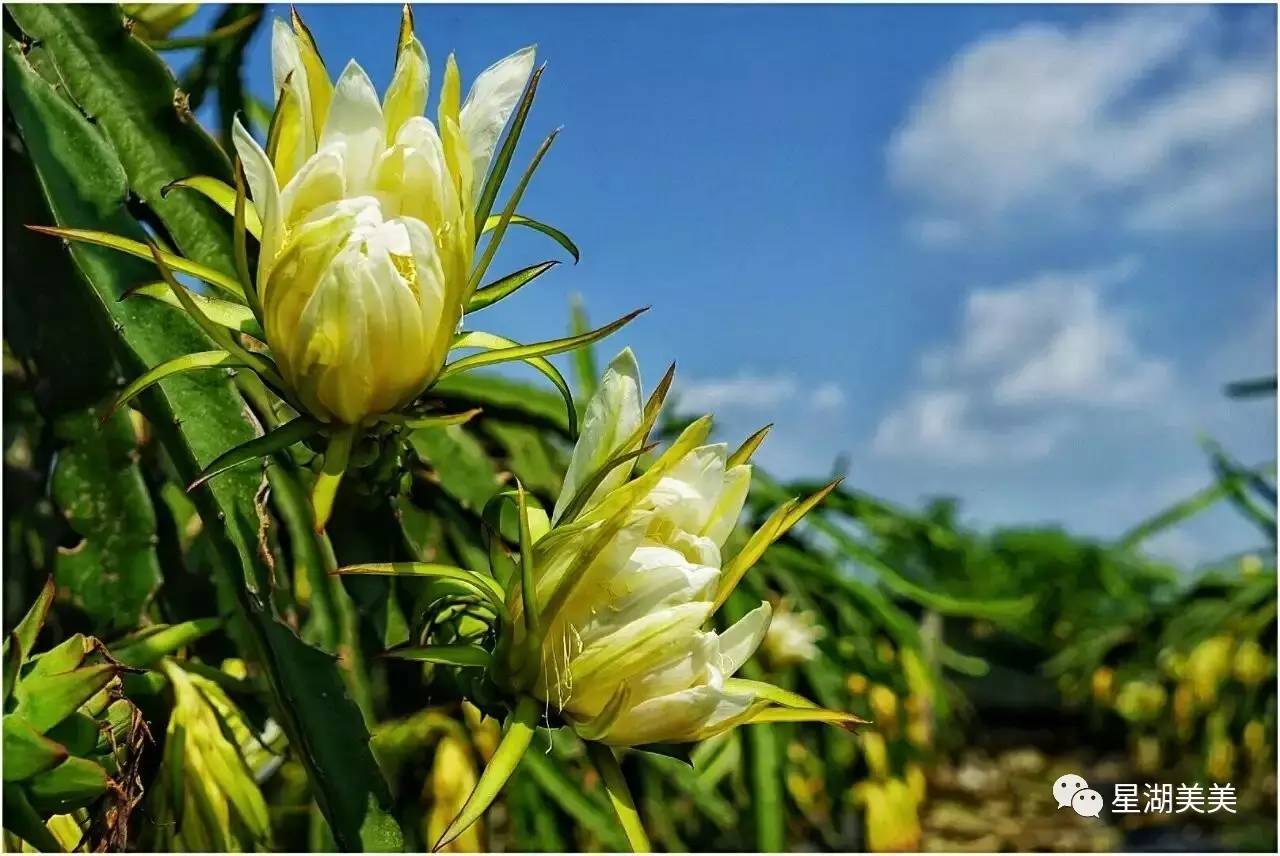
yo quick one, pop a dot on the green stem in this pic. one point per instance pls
(335, 464)
(615, 784)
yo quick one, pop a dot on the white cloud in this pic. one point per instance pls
(941, 425)
(1142, 109)
(749, 391)
(1029, 358)
(827, 396)
(746, 391)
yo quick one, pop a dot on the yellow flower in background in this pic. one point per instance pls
(1141, 701)
(367, 220)
(792, 637)
(884, 707)
(453, 775)
(892, 815)
(206, 797)
(1103, 684)
(1251, 664)
(1208, 664)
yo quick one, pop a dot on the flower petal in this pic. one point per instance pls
(612, 415)
(355, 121)
(266, 194)
(488, 106)
(678, 717)
(407, 95)
(728, 506)
(686, 496)
(740, 641)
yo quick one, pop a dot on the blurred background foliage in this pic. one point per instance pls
(989, 662)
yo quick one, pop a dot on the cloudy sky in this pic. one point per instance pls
(1009, 254)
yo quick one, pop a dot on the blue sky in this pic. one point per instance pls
(1006, 253)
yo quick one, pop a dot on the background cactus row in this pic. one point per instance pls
(221, 682)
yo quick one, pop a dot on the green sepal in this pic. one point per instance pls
(485, 586)
(136, 248)
(502, 287)
(548, 348)
(229, 313)
(550, 231)
(449, 655)
(240, 242)
(143, 650)
(778, 524)
(743, 453)
(293, 431)
(31, 624)
(46, 700)
(221, 194)
(63, 657)
(480, 339)
(178, 365)
(222, 33)
(73, 784)
(12, 665)
(27, 752)
(219, 334)
(528, 577)
(579, 501)
(502, 350)
(500, 231)
(433, 420)
(78, 734)
(768, 692)
(516, 738)
(682, 752)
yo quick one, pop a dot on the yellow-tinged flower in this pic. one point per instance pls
(367, 220)
(604, 620)
(629, 576)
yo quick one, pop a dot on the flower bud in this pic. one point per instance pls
(367, 216)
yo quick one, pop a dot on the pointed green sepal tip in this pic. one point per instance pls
(515, 741)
